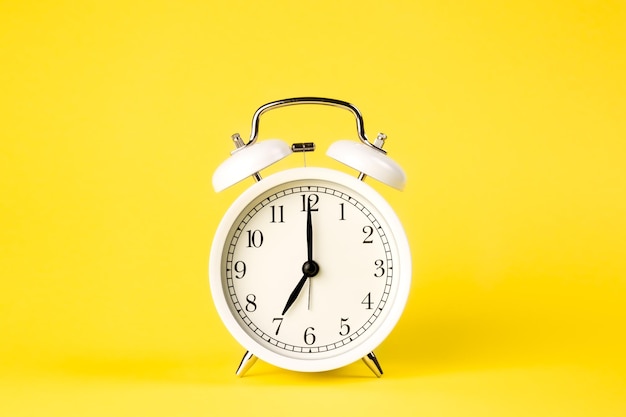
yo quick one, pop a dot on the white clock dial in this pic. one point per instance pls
(310, 269)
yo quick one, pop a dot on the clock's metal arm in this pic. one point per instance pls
(254, 133)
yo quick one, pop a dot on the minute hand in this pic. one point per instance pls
(309, 234)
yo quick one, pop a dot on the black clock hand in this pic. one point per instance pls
(294, 294)
(310, 267)
(309, 243)
(309, 234)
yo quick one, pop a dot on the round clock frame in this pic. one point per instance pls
(276, 282)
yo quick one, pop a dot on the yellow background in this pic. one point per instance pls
(508, 117)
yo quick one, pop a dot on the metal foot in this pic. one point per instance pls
(372, 363)
(246, 363)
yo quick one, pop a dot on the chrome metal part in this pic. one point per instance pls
(246, 363)
(310, 100)
(372, 363)
(239, 143)
(303, 147)
(380, 140)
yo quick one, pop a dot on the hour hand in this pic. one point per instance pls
(294, 294)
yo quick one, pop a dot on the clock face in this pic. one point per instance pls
(310, 270)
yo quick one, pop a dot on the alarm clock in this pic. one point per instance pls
(310, 268)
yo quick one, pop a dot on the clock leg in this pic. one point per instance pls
(246, 363)
(372, 363)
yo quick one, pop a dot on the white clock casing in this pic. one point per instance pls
(342, 313)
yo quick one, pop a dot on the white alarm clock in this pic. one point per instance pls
(310, 268)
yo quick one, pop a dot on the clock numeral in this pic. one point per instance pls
(380, 271)
(311, 201)
(277, 215)
(280, 323)
(345, 327)
(341, 217)
(240, 269)
(309, 337)
(255, 238)
(251, 303)
(368, 230)
(367, 301)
